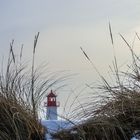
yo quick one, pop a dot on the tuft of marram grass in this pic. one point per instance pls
(117, 114)
(21, 93)
(17, 118)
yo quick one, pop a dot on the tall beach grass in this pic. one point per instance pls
(116, 115)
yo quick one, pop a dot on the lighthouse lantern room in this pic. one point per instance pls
(51, 106)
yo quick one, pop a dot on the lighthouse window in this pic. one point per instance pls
(52, 99)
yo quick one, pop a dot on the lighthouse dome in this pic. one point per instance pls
(51, 94)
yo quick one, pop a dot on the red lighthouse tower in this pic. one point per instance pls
(51, 106)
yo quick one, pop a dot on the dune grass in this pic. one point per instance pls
(116, 115)
(22, 89)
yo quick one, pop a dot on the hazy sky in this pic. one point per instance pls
(64, 26)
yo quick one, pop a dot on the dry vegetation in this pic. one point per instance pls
(116, 116)
(21, 90)
(117, 113)
(19, 101)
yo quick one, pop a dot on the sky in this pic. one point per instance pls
(67, 25)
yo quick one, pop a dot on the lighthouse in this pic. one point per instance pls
(51, 106)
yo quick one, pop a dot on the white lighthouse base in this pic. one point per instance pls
(51, 113)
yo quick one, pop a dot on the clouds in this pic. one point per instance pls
(36, 13)
(65, 26)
